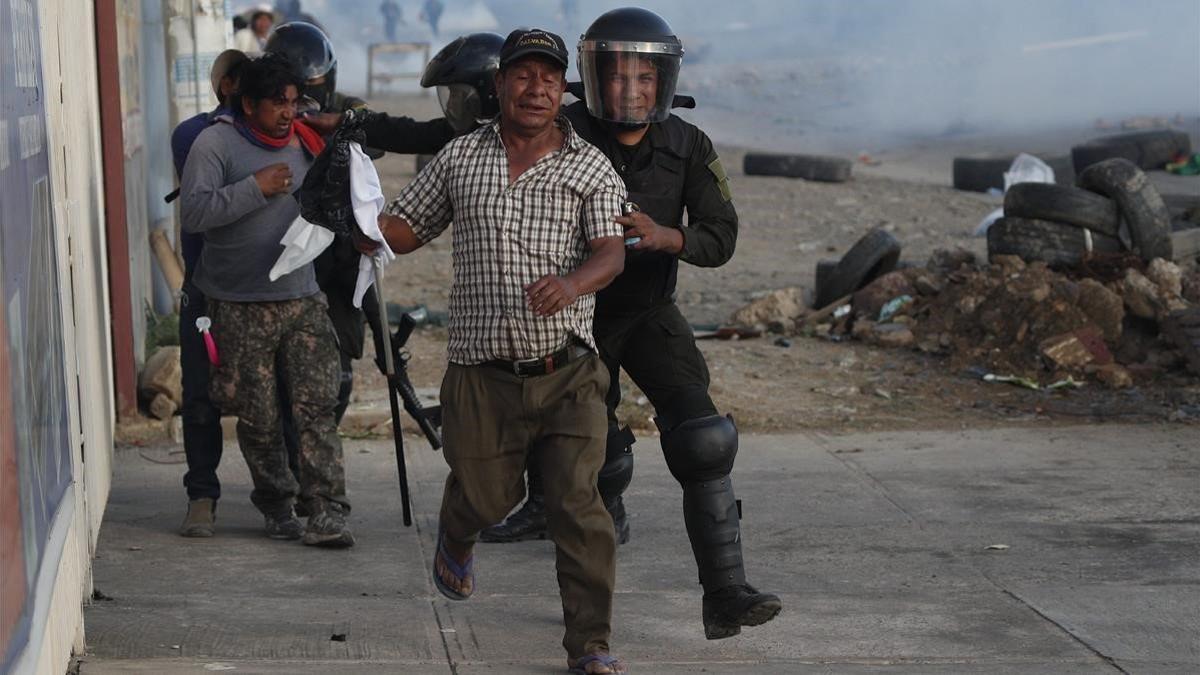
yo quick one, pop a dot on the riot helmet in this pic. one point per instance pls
(629, 62)
(464, 73)
(307, 47)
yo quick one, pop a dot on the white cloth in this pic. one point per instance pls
(367, 201)
(302, 243)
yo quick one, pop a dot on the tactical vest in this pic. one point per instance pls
(656, 185)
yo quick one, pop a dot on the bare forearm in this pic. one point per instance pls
(399, 234)
(605, 263)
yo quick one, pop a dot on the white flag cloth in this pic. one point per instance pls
(302, 243)
(366, 198)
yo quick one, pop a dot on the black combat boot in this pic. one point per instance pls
(710, 512)
(616, 509)
(527, 522)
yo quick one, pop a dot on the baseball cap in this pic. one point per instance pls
(525, 41)
(224, 62)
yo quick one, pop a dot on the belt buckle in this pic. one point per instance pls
(517, 365)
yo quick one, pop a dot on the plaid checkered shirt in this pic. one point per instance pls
(507, 236)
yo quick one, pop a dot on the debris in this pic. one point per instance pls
(726, 333)
(1102, 306)
(1182, 328)
(1167, 276)
(100, 596)
(869, 300)
(1141, 295)
(1112, 375)
(842, 311)
(1074, 350)
(1012, 379)
(163, 374)
(893, 335)
(893, 306)
(949, 260)
(135, 548)
(338, 637)
(783, 306)
(996, 547)
(882, 393)
(162, 407)
(783, 342)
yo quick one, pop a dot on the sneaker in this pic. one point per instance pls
(327, 527)
(283, 524)
(728, 609)
(527, 522)
(616, 509)
(199, 520)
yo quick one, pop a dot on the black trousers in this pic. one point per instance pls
(658, 351)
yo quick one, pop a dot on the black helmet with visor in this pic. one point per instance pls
(464, 73)
(629, 61)
(310, 51)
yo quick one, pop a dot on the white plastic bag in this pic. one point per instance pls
(1024, 169)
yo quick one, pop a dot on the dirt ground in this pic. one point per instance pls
(786, 227)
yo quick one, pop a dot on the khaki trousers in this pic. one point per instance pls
(491, 420)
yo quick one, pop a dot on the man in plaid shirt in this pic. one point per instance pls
(533, 207)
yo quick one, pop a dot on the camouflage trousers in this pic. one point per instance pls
(254, 339)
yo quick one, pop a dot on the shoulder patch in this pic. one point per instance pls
(722, 178)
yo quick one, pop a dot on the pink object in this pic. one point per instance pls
(203, 323)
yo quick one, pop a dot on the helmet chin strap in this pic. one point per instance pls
(625, 126)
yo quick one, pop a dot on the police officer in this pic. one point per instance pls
(629, 61)
(307, 47)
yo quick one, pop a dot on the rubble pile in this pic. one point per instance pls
(1103, 320)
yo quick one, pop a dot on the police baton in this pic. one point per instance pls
(389, 366)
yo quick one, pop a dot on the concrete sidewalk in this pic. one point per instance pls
(878, 545)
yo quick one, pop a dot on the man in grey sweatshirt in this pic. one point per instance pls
(236, 191)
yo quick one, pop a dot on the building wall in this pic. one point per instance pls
(57, 580)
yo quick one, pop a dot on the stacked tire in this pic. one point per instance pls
(1113, 209)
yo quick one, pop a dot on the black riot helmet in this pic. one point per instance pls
(307, 47)
(629, 62)
(464, 73)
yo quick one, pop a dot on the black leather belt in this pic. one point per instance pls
(543, 365)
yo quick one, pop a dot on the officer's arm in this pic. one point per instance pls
(406, 135)
(711, 235)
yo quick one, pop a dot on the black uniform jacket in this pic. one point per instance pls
(673, 169)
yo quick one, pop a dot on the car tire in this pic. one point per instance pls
(1141, 206)
(1053, 243)
(809, 167)
(1063, 204)
(1146, 149)
(980, 174)
(872, 256)
(821, 278)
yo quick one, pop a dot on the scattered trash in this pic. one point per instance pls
(882, 393)
(338, 637)
(842, 311)
(894, 305)
(176, 647)
(725, 333)
(135, 548)
(1012, 379)
(996, 547)
(783, 342)
(219, 666)
(99, 596)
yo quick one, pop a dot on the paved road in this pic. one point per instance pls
(877, 543)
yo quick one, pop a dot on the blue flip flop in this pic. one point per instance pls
(461, 572)
(616, 665)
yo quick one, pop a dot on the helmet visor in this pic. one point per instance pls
(631, 87)
(461, 106)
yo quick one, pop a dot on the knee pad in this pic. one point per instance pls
(617, 471)
(701, 449)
